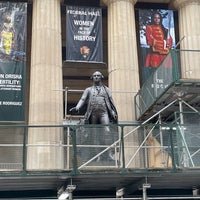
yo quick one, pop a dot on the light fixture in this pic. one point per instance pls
(71, 188)
(120, 192)
(64, 194)
(145, 186)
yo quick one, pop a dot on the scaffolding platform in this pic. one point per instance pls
(165, 88)
(185, 90)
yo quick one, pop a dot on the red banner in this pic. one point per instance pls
(157, 37)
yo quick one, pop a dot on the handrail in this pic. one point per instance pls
(170, 73)
(122, 145)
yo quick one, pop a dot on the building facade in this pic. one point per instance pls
(54, 85)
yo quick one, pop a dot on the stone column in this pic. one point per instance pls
(46, 102)
(123, 68)
(189, 28)
(122, 56)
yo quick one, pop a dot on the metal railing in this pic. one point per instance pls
(178, 64)
(79, 148)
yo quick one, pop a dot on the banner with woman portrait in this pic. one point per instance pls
(157, 37)
(12, 60)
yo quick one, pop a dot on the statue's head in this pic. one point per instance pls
(97, 75)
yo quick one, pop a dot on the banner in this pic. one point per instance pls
(12, 60)
(84, 34)
(157, 37)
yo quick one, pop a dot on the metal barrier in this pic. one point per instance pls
(106, 147)
(178, 65)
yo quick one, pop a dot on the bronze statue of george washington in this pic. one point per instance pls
(100, 105)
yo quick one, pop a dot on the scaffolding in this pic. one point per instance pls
(160, 144)
(139, 156)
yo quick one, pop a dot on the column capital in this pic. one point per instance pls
(181, 3)
(107, 2)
